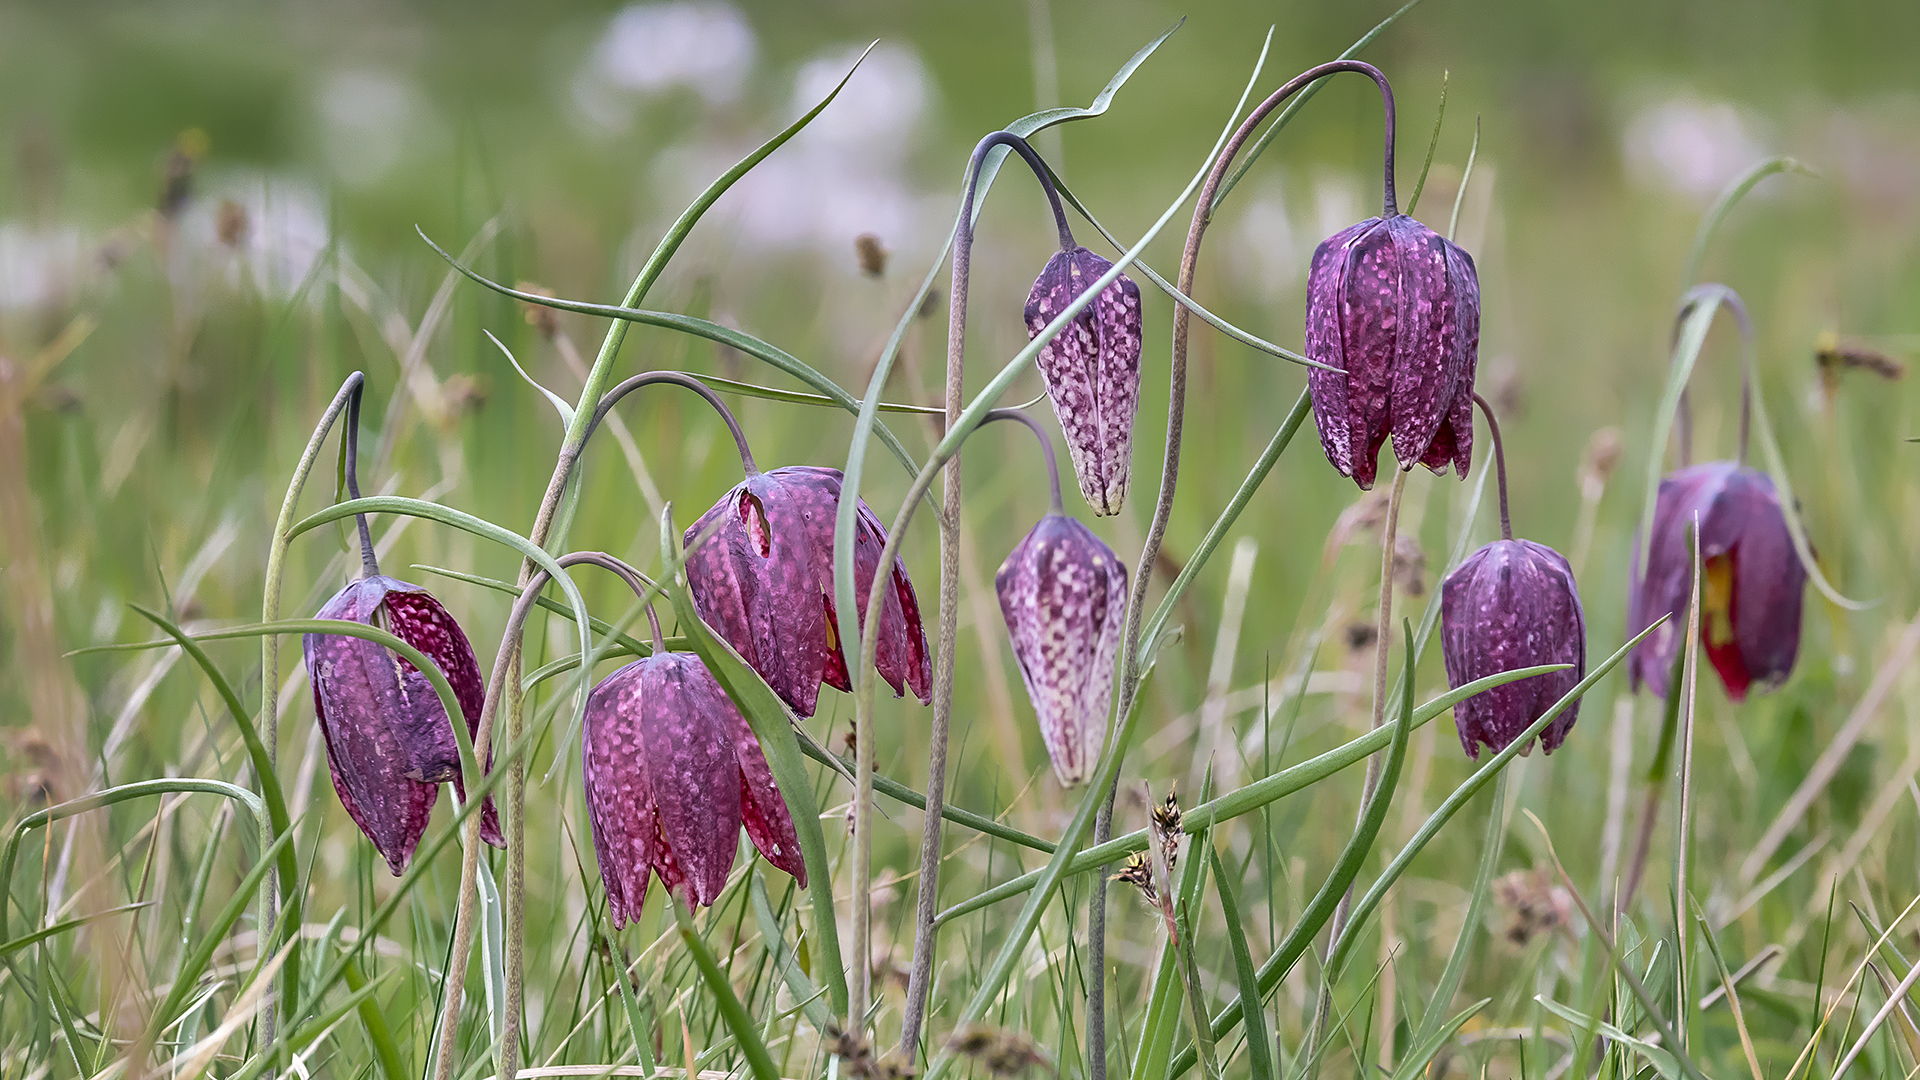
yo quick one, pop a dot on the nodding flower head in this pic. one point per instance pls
(1753, 579)
(1063, 594)
(389, 744)
(671, 773)
(1512, 604)
(1397, 306)
(764, 581)
(1092, 370)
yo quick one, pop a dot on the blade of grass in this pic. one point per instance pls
(1259, 1048)
(1252, 796)
(746, 1033)
(1456, 969)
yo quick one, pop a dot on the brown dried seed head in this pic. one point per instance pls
(871, 253)
(1835, 355)
(1137, 871)
(1602, 455)
(1534, 904)
(542, 318)
(231, 225)
(1001, 1051)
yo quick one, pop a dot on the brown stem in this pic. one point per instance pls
(1169, 479)
(1499, 464)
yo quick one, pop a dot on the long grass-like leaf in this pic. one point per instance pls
(1253, 796)
(867, 420)
(1428, 1044)
(1456, 969)
(745, 1032)
(21, 942)
(773, 726)
(1729, 198)
(1345, 869)
(1259, 1048)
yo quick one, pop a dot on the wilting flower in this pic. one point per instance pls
(671, 772)
(389, 746)
(1092, 370)
(1397, 307)
(1512, 604)
(1750, 600)
(1063, 593)
(764, 581)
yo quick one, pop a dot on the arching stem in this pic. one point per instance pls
(369, 562)
(676, 378)
(927, 906)
(1499, 464)
(1169, 479)
(1046, 448)
(1683, 416)
(504, 685)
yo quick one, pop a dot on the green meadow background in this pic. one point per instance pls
(207, 221)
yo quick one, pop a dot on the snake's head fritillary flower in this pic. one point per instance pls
(1063, 594)
(671, 772)
(389, 745)
(1753, 583)
(1512, 604)
(764, 581)
(1397, 307)
(1092, 370)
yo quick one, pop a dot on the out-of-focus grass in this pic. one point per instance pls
(145, 464)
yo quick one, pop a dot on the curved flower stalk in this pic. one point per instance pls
(1754, 579)
(1512, 604)
(389, 746)
(1062, 593)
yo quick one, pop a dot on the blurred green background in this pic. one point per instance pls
(175, 173)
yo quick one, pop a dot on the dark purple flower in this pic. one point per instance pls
(1512, 604)
(389, 745)
(764, 581)
(1750, 600)
(1092, 370)
(671, 772)
(1398, 307)
(1064, 594)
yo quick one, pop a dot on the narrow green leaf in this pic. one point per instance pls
(1425, 1047)
(1432, 144)
(559, 403)
(745, 1032)
(772, 725)
(867, 420)
(1729, 198)
(1253, 796)
(373, 1023)
(1259, 1045)
(781, 957)
(14, 946)
(1456, 969)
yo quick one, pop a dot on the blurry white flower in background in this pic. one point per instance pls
(708, 48)
(39, 265)
(844, 175)
(1262, 253)
(368, 121)
(276, 224)
(1690, 146)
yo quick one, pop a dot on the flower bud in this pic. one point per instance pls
(1512, 604)
(764, 581)
(1397, 307)
(1750, 600)
(1063, 594)
(389, 746)
(671, 772)
(1092, 370)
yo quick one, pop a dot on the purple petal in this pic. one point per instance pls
(1324, 344)
(1092, 370)
(619, 801)
(1061, 593)
(686, 722)
(1427, 358)
(1512, 604)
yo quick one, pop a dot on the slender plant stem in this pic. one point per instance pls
(1499, 464)
(269, 723)
(676, 378)
(1388, 536)
(928, 903)
(1169, 479)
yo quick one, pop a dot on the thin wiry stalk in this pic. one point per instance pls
(928, 902)
(269, 723)
(1169, 480)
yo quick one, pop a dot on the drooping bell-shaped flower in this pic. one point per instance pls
(389, 745)
(1092, 370)
(1397, 306)
(1512, 604)
(764, 581)
(1063, 594)
(1754, 581)
(671, 773)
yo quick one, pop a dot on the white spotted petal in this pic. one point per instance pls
(1063, 595)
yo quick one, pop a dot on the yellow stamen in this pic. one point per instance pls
(1717, 601)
